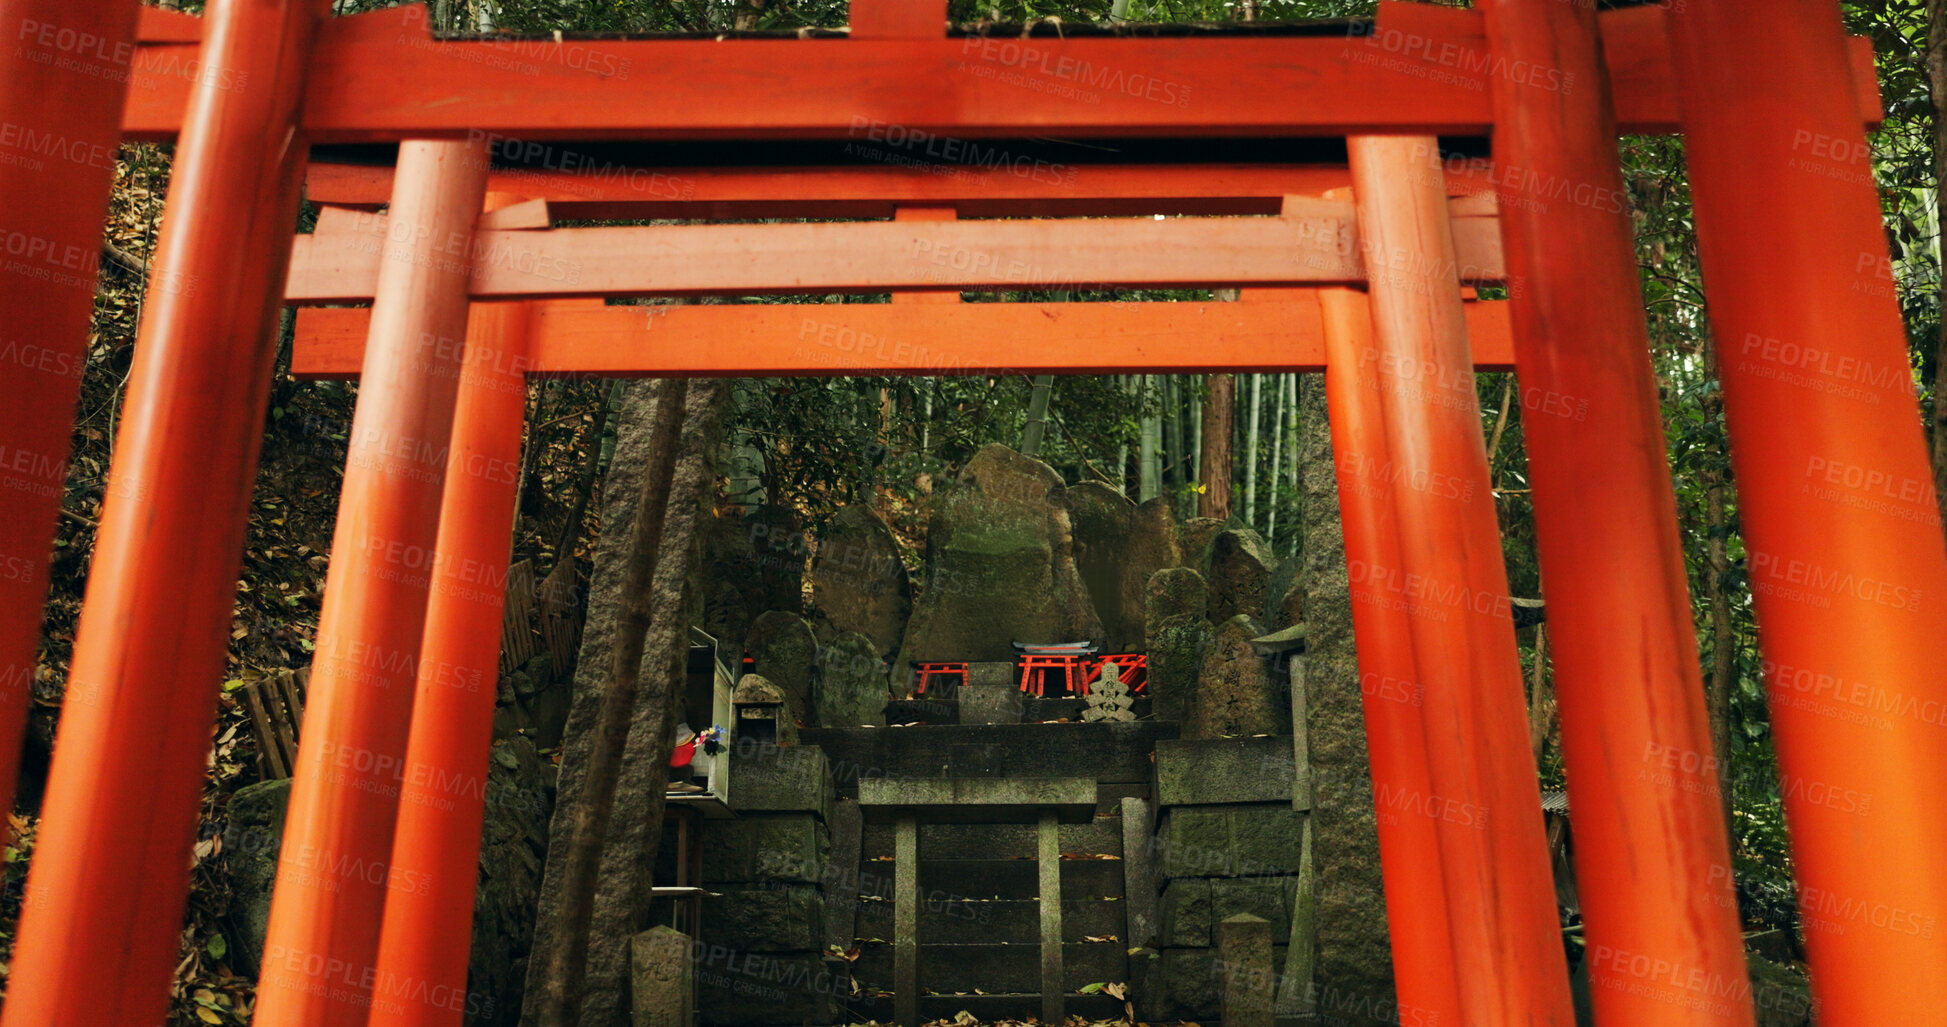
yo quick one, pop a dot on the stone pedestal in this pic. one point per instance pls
(1247, 978)
(663, 979)
(1052, 986)
(992, 694)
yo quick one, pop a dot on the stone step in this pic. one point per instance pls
(994, 968)
(948, 880)
(999, 841)
(1014, 921)
(985, 1008)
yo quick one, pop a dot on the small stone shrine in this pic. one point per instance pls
(1108, 698)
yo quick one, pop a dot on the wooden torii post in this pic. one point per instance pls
(1551, 82)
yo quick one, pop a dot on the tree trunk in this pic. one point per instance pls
(1250, 453)
(1152, 439)
(1172, 428)
(1722, 684)
(588, 988)
(588, 820)
(1037, 425)
(1214, 460)
(1542, 715)
(564, 546)
(932, 388)
(1299, 510)
(1127, 382)
(1195, 452)
(666, 669)
(1277, 458)
(746, 462)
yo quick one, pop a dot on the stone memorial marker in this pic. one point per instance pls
(663, 988)
(777, 541)
(850, 690)
(1177, 634)
(1108, 698)
(1000, 565)
(1238, 573)
(784, 649)
(1193, 541)
(1244, 964)
(1118, 545)
(991, 694)
(858, 582)
(1235, 695)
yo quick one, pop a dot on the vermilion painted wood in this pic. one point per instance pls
(382, 77)
(923, 296)
(597, 190)
(1649, 829)
(877, 256)
(102, 926)
(1390, 692)
(427, 932)
(582, 337)
(1453, 584)
(333, 873)
(1847, 564)
(60, 123)
(897, 19)
(158, 25)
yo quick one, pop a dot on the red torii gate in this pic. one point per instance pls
(1847, 555)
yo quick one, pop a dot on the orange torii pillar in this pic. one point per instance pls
(1847, 565)
(103, 921)
(427, 932)
(1453, 585)
(64, 84)
(1664, 941)
(1389, 689)
(333, 872)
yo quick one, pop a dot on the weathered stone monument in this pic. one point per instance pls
(990, 695)
(1285, 591)
(858, 582)
(1237, 573)
(850, 688)
(1177, 633)
(1234, 692)
(1108, 698)
(777, 539)
(1244, 955)
(662, 985)
(1193, 541)
(1118, 545)
(785, 650)
(1000, 566)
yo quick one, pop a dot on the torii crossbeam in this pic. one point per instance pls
(1847, 555)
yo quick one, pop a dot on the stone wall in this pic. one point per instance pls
(1228, 841)
(760, 959)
